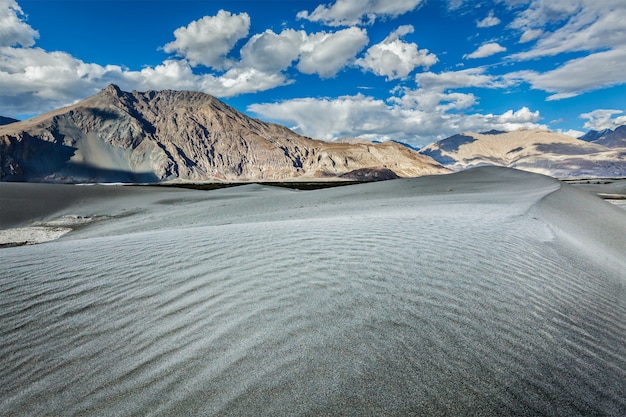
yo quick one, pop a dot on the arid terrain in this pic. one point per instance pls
(117, 136)
(544, 152)
(157, 136)
(487, 292)
(210, 290)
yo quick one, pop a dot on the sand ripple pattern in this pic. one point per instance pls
(397, 311)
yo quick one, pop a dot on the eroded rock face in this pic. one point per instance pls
(164, 135)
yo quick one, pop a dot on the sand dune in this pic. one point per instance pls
(487, 292)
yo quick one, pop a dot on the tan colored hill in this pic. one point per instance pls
(539, 151)
(168, 135)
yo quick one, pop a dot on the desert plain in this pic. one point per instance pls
(488, 292)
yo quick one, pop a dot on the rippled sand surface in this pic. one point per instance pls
(488, 292)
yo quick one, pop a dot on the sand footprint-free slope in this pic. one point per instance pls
(467, 294)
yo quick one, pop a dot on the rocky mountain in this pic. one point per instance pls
(168, 135)
(538, 151)
(615, 138)
(7, 120)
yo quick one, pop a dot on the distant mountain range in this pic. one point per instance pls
(7, 120)
(609, 138)
(154, 136)
(540, 151)
(117, 136)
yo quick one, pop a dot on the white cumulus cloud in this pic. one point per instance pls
(271, 52)
(417, 116)
(13, 30)
(394, 58)
(432, 111)
(356, 12)
(37, 80)
(326, 53)
(322, 53)
(208, 41)
(486, 50)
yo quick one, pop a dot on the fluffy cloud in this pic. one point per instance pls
(271, 52)
(592, 72)
(13, 31)
(488, 21)
(486, 50)
(322, 53)
(207, 41)
(355, 12)
(240, 81)
(435, 92)
(394, 58)
(326, 53)
(343, 116)
(603, 119)
(417, 116)
(37, 80)
(370, 118)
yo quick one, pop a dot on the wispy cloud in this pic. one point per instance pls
(592, 72)
(603, 119)
(486, 50)
(358, 12)
(488, 21)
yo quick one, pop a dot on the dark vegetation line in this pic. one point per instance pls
(312, 185)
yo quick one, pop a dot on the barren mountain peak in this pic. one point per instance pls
(163, 135)
(112, 89)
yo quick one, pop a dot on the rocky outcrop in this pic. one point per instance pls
(538, 151)
(164, 135)
(370, 174)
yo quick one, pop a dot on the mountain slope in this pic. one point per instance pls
(166, 135)
(538, 151)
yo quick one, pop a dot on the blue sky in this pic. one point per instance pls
(408, 70)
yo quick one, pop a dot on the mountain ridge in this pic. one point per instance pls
(611, 138)
(540, 151)
(164, 135)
